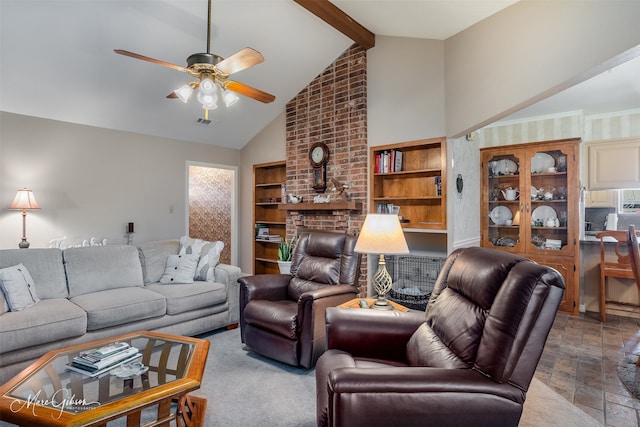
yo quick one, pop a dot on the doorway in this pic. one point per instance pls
(212, 206)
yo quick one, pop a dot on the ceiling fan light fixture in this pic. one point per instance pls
(229, 97)
(209, 101)
(207, 86)
(184, 93)
(208, 94)
(209, 107)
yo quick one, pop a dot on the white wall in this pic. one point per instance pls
(405, 90)
(91, 182)
(531, 50)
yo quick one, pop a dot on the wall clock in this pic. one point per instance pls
(319, 156)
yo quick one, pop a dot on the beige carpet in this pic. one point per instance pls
(545, 407)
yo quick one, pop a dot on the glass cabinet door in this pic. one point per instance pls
(503, 197)
(550, 208)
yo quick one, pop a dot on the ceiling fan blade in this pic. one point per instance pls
(148, 59)
(249, 91)
(172, 95)
(240, 60)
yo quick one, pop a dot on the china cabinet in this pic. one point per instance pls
(409, 179)
(529, 206)
(269, 221)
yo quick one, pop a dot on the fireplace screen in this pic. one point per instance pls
(413, 278)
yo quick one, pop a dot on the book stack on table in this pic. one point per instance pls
(100, 360)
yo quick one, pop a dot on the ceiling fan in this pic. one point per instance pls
(212, 73)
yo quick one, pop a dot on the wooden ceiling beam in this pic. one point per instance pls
(339, 20)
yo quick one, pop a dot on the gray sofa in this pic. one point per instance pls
(96, 292)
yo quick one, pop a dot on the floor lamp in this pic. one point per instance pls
(382, 234)
(24, 200)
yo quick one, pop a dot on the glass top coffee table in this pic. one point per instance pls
(49, 393)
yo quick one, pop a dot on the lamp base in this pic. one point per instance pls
(381, 304)
(24, 244)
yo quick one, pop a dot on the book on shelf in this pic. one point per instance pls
(397, 165)
(388, 161)
(270, 238)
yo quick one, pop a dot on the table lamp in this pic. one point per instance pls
(24, 200)
(382, 234)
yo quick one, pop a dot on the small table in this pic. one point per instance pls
(355, 303)
(48, 394)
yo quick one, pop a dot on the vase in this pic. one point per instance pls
(285, 267)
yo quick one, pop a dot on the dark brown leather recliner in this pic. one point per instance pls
(282, 315)
(467, 361)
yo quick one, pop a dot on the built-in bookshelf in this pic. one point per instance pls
(409, 179)
(269, 221)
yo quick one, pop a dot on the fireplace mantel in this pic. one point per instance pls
(331, 206)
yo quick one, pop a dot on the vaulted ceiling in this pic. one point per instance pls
(57, 59)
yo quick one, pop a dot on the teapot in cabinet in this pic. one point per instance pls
(510, 193)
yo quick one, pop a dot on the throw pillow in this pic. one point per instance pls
(209, 258)
(180, 269)
(18, 287)
(4, 306)
(191, 246)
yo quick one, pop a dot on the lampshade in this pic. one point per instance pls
(184, 93)
(381, 234)
(24, 200)
(230, 98)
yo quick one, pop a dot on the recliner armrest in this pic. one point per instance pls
(371, 333)
(264, 286)
(474, 398)
(328, 291)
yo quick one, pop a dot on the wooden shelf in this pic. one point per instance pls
(392, 198)
(269, 184)
(268, 179)
(269, 260)
(331, 206)
(418, 189)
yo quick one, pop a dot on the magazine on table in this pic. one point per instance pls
(97, 361)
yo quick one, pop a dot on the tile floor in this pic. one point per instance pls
(580, 362)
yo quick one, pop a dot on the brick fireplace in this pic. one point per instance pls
(331, 109)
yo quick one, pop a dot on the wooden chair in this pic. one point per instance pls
(634, 252)
(620, 268)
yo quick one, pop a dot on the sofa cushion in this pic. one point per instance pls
(45, 266)
(98, 268)
(48, 321)
(183, 298)
(179, 269)
(119, 306)
(18, 287)
(153, 256)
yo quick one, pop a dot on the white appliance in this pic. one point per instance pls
(612, 221)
